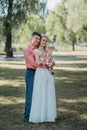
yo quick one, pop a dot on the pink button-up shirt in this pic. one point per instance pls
(30, 57)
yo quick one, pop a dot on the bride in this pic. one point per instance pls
(43, 107)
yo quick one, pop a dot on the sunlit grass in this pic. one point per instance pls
(10, 82)
(81, 99)
(12, 64)
(84, 116)
(10, 100)
(67, 111)
(71, 68)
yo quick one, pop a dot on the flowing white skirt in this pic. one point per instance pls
(43, 108)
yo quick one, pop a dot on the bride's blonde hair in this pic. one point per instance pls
(44, 35)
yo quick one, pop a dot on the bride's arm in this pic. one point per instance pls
(38, 60)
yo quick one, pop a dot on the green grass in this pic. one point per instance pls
(71, 94)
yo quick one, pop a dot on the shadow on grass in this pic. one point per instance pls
(11, 91)
(13, 120)
(11, 73)
(74, 64)
(71, 93)
(81, 65)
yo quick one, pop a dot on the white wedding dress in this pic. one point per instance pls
(43, 107)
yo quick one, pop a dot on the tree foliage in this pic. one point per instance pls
(77, 15)
(68, 21)
(23, 34)
(55, 22)
(13, 13)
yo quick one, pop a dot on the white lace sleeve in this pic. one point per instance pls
(36, 51)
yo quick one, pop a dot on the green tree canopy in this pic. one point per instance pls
(68, 21)
(13, 13)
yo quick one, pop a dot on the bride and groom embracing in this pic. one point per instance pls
(40, 99)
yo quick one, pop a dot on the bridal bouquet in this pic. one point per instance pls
(49, 62)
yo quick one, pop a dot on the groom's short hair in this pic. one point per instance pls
(36, 34)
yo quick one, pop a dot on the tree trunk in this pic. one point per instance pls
(73, 43)
(73, 46)
(8, 48)
(8, 30)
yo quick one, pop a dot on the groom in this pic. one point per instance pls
(30, 71)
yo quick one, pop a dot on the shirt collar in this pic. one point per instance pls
(32, 47)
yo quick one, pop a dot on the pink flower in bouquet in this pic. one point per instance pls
(49, 62)
(49, 51)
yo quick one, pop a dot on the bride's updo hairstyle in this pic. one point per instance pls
(44, 35)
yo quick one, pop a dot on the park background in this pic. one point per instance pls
(66, 27)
